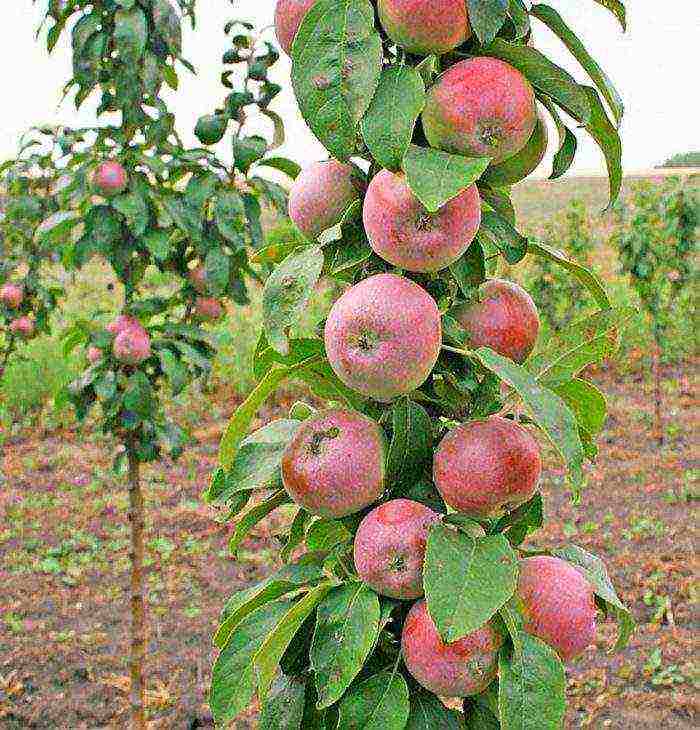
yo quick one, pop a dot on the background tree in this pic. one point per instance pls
(135, 196)
(657, 244)
(426, 366)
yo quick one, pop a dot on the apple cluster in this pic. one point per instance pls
(383, 338)
(13, 299)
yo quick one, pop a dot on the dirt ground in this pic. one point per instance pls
(64, 553)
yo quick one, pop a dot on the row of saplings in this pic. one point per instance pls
(383, 338)
(130, 342)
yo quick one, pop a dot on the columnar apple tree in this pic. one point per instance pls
(137, 198)
(29, 184)
(413, 492)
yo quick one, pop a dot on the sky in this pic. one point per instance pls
(654, 66)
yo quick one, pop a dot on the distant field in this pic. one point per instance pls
(538, 201)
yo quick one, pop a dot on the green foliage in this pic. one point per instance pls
(683, 159)
(657, 245)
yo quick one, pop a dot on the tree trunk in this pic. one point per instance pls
(656, 365)
(138, 622)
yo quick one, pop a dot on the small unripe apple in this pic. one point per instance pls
(110, 178)
(132, 346)
(23, 327)
(208, 308)
(94, 354)
(198, 278)
(121, 323)
(11, 295)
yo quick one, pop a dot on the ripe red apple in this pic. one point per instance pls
(390, 547)
(521, 164)
(424, 26)
(335, 464)
(110, 178)
(504, 318)
(198, 278)
(94, 354)
(481, 107)
(123, 322)
(288, 17)
(485, 468)
(321, 194)
(208, 308)
(558, 604)
(23, 327)
(132, 346)
(405, 234)
(11, 295)
(383, 336)
(462, 668)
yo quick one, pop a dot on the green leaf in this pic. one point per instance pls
(210, 128)
(470, 270)
(288, 167)
(568, 144)
(296, 534)
(428, 68)
(608, 139)
(167, 23)
(267, 657)
(586, 277)
(511, 614)
(284, 707)
(545, 76)
(233, 681)
(304, 572)
(229, 214)
(522, 521)
(587, 403)
(595, 572)
(532, 687)
(466, 579)
(217, 270)
(255, 515)
(586, 341)
(617, 8)
(299, 349)
(347, 626)
(387, 127)
(175, 370)
(518, 13)
(336, 65)
(352, 248)
(551, 18)
(378, 703)
(130, 35)
(487, 17)
(499, 200)
(500, 233)
(411, 449)
(287, 293)
(157, 242)
(102, 228)
(239, 424)
(247, 150)
(436, 177)
(478, 717)
(133, 207)
(324, 534)
(428, 713)
(259, 456)
(547, 409)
